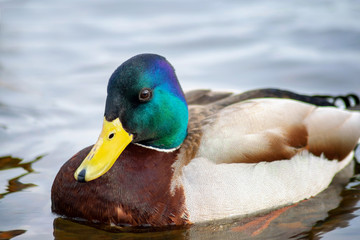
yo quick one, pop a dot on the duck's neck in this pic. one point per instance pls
(170, 150)
(169, 129)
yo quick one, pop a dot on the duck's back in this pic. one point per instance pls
(276, 129)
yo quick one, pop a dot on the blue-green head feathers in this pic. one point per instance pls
(144, 93)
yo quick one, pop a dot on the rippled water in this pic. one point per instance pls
(56, 57)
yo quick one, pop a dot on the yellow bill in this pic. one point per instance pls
(112, 141)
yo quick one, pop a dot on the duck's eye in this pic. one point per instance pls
(145, 95)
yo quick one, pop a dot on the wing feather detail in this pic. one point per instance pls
(265, 130)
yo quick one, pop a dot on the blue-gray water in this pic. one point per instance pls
(56, 57)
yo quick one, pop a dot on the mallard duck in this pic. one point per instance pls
(165, 158)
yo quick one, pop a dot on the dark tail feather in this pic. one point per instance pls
(348, 101)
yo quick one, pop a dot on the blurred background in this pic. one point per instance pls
(57, 56)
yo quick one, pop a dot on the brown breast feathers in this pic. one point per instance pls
(136, 190)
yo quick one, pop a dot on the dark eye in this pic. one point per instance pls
(145, 94)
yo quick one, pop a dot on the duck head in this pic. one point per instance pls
(145, 105)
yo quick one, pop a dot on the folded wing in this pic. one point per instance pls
(277, 129)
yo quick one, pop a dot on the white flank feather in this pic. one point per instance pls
(217, 191)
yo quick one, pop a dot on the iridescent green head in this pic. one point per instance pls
(144, 93)
(145, 105)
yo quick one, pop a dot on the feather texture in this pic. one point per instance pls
(260, 154)
(216, 191)
(277, 129)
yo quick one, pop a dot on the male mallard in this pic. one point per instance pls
(159, 161)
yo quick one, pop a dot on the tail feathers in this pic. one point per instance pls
(349, 101)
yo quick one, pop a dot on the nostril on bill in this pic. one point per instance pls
(111, 135)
